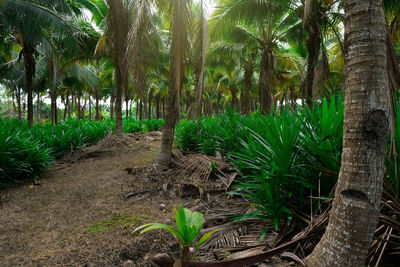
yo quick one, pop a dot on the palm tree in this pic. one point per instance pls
(143, 47)
(198, 55)
(179, 23)
(28, 23)
(359, 188)
(263, 22)
(118, 25)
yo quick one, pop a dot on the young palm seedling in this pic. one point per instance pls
(188, 228)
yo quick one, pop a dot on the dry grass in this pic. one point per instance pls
(55, 224)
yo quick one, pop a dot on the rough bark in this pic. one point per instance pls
(313, 46)
(264, 90)
(355, 210)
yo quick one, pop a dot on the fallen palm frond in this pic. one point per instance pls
(200, 169)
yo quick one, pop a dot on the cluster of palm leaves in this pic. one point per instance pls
(25, 152)
(284, 158)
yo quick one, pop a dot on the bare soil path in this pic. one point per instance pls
(78, 215)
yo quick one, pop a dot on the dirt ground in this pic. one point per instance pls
(78, 215)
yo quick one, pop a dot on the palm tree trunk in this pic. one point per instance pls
(53, 107)
(29, 63)
(163, 108)
(313, 46)
(38, 107)
(137, 109)
(157, 106)
(90, 108)
(118, 106)
(118, 23)
(111, 108)
(355, 210)
(66, 106)
(130, 108)
(246, 97)
(13, 101)
(264, 90)
(19, 103)
(126, 107)
(140, 110)
(177, 57)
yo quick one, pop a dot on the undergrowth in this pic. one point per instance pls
(25, 152)
(284, 158)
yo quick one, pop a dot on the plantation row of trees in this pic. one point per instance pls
(248, 55)
(173, 60)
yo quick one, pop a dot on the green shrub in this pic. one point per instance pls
(282, 157)
(21, 155)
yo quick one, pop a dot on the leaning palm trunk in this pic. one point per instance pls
(355, 210)
(178, 51)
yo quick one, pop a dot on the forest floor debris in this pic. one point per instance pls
(87, 205)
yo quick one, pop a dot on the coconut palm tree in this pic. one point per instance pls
(263, 22)
(179, 45)
(199, 46)
(119, 21)
(359, 188)
(28, 24)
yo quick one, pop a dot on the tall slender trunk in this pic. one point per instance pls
(78, 106)
(178, 49)
(157, 106)
(248, 84)
(118, 106)
(37, 107)
(13, 101)
(19, 103)
(313, 47)
(233, 90)
(29, 63)
(150, 99)
(111, 107)
(163, 108)
(66, 106)
(126, 107)
(53, 107)
(56, 110)
(355, 209)
(118, 21)
(84, 109)
(130, 108)
(197, 109)
(264, 90)
(137, 109)
(140, 111)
